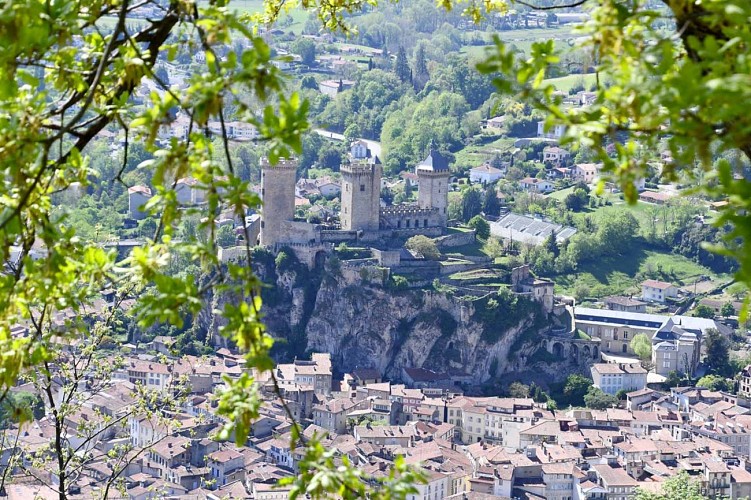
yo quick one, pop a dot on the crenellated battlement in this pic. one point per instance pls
(284, 163)
(357, 168)
(404, 210)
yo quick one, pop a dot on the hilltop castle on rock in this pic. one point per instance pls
(362, 218)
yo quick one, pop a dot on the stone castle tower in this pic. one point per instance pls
(361, 196)
(278, 195)
(433, 177)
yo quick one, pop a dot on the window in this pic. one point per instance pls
(417, 222)
(407, 222)
(425, 223)
(362, 187)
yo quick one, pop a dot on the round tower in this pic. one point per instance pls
(278, 195)
(433, 178)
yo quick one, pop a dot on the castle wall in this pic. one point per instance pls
(361, 196)
(387, 258)
(298, 232)
(336, 236)
(410, 217)
(278, 195)
(456, 239)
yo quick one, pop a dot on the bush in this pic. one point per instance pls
(424, 246)
(398, 282)
(481, 227)
(596, 399)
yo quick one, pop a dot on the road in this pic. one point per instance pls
(374, 146)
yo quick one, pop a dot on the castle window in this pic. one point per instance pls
(398, 224)
(407, 222)
(425, 223)
(362, 187)
(417, 222)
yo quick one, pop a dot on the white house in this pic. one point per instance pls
(554, 155)
(611, 377)
(534, 185)
(226, 465)
(138, 196)
(556, 132)
(657, 291)
(496, 122)
(485, 174)
(436, 486)
(359, 150)
(241, 131)
(328, 187)
(586, 172)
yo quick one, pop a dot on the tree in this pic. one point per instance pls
(423, 246)
(575, 388)
(518, 390)
(401, 69)
(551, 244)
(678, 487)
(481, 227)
(225, 236)
(306, 49)
(717, 349)
(491, 205)
(309, 82)
(596, 399)
(407, 190)
(642, 346)
(471, 203)
(704, 311)
(714, 383)
(737, 290)
(673, 379)
(728, 309)
(421, 75)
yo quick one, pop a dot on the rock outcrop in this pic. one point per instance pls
(365, 324)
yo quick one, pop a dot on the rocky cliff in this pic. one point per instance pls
(364, 323)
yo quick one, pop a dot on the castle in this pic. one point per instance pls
(362, 218)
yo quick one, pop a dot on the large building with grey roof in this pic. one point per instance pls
(528, 230)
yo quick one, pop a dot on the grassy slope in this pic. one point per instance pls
(522, 39)
(617, 275)
(565, 83)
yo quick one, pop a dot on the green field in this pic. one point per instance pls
(566, 83)
(475, 154)
(618, 275)
(294, 20)
(522, 40)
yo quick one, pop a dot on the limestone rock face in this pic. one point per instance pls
(365, 325)
(362, 325)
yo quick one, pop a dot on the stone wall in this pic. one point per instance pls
(409, 217)
(456, 240)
